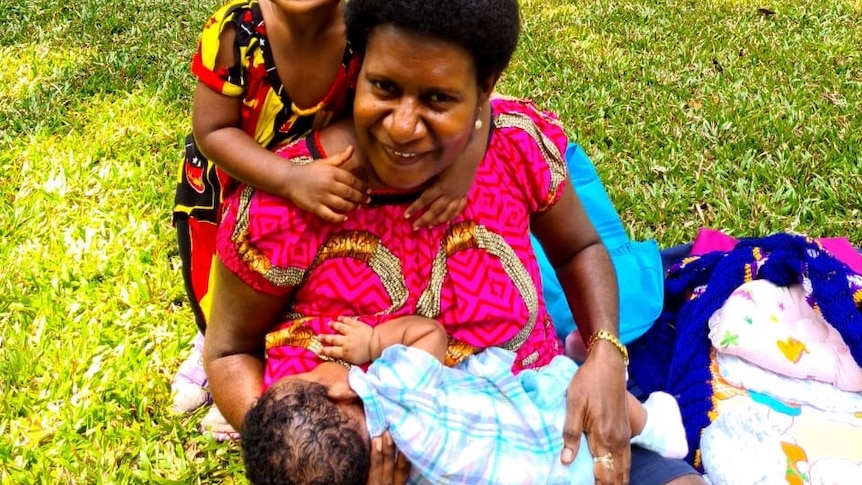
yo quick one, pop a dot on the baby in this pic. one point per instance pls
(473, 423)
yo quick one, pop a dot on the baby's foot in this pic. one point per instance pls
(663, 430)
(189, 384)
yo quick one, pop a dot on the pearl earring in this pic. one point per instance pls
(478, 124)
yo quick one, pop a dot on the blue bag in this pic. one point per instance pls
(638, 264)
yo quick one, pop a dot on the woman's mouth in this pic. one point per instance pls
(401, 157)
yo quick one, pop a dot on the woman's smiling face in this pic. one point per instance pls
(417, 100)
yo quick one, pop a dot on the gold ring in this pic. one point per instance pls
(607, 461)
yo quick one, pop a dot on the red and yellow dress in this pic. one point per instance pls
(268, 116)
(477, 274)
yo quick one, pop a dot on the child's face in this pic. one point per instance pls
(334, 378)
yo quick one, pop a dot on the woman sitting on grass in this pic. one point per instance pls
(424, 88)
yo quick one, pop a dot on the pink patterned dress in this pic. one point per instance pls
(477, 275)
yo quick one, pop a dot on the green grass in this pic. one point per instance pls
(696, 113)
(708, 113)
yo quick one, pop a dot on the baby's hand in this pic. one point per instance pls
(327, 190)
(444, 206)
(351, 344)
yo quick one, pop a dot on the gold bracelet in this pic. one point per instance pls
(606, 335)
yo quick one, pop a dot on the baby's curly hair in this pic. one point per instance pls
(294, 435)
(487, 29)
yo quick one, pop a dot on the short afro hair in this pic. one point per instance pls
(294, 435)
(487, 29)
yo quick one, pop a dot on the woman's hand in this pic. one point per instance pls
(388, 467)
(326, 189)
(596, 405)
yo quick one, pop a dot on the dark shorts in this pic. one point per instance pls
(650, 468)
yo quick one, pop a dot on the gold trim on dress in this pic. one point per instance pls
(367, 248)
(529, 359)
(252, 257)
(457, 351)
(469, 235)
(550, 152)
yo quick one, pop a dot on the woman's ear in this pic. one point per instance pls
(486, 87)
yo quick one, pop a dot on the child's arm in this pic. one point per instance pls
(322, 188)
(448, 196)
(358, 343)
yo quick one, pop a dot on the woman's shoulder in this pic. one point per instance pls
(265, 239)
(529, 146)
(507, 107)
(521, 123)
(299, 151)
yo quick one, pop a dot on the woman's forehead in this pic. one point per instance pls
(413, 50)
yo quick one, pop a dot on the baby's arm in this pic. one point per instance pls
(358, 343)
(323, 188)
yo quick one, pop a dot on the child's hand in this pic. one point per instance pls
(448, 196)
(325, 189)
(351, 344)
(444, 206)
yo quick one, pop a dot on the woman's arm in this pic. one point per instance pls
(234, 345)
(596, 398)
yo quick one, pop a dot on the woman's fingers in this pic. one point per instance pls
(375, 470)
(573, 427)
(612, 467)
(383, 462)
(402, 470)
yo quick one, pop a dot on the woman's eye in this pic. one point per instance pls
(438, 98)
(384, 86)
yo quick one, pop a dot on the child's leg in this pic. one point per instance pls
(189, 383)
(196, 204)
(657, 425)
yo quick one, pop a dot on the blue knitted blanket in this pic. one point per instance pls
(673, 356)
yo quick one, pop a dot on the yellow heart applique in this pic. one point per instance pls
(792, 349)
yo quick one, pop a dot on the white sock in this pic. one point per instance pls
(663, 430)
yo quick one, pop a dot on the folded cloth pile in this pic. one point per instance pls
(675, 355)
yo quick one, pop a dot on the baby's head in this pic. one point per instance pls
(296, 434)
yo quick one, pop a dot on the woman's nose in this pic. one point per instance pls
(404, 123)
